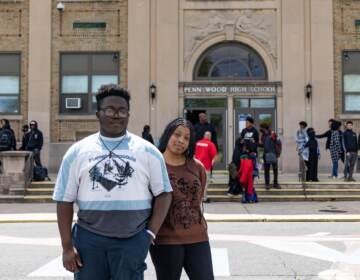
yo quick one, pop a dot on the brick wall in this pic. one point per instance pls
(346, 37)
(14, 37)
(65, 39)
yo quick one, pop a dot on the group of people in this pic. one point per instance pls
(244, 167)
(133, 198)
(343, 145)
(32, 139)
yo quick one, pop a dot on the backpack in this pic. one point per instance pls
(278, 147)
(5, 139)
(40, 173)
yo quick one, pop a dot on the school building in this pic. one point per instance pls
(281, 61)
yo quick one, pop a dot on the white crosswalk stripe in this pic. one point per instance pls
(55, 268)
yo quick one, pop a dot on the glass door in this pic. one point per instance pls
(217, 117)
(215, 109)
(260, 109)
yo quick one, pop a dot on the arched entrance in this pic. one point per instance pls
(230, 82)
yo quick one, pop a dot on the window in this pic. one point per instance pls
(9, 83)
(351, 81)
(82, 74)
(230, 61)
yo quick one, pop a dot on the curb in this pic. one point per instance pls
(210, 218)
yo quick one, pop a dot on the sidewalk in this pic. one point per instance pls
(337, 211)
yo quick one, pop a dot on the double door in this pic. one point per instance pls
(217, 115)
(261, 110)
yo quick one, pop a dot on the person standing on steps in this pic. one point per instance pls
(272, 150)
(205, 152)
(351, 147)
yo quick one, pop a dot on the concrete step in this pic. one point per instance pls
(277, 198)
(294, 185)
(11, 198)
(16, 191)
(285, 192)
(43, 184)
(222, 191)
(39, 191)
(38, 199)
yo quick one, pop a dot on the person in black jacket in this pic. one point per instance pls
(147, 135)
(250, 136)
(351, 149)
(202, 126)
(34, 142)
(270, 142)
(327, 134)
(313, 159)
(5, 125)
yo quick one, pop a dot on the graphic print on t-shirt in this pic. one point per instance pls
(109, 171)
(183, 212)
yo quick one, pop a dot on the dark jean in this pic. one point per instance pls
(169, 260)
(350, 161)
(106, 258)
(335, 167)
(267, 172)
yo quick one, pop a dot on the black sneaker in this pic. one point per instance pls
(207, 200)
(276, 186)
(267, 187)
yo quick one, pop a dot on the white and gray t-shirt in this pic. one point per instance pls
(114, 191)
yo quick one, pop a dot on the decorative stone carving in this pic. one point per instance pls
(258, 24)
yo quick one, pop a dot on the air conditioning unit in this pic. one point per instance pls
(72, 103)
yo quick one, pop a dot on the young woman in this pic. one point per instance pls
(182, 241)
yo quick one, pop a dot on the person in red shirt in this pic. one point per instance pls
(205, 152)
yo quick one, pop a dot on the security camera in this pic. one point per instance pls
(60, 6)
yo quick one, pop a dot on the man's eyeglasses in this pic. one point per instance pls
(111, 112)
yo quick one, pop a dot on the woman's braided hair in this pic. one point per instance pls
(169, 130)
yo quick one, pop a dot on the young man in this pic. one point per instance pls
(250, 136)
(272, 150)
(120, 184)
(205, 152)
(351, 149)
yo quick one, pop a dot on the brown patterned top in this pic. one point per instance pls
(185, 223)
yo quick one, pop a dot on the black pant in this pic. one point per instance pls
(267, 172)
(36, 155)
(312, 169)
(194, 258)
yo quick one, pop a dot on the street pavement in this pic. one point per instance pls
(316, 245)
(246, 251)
(218, 212)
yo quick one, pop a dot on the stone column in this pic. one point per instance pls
(40, 69)
(139, 63)
(167, 62)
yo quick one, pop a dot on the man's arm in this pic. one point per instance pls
(71, 258)
(160, 209)
(325, 134)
